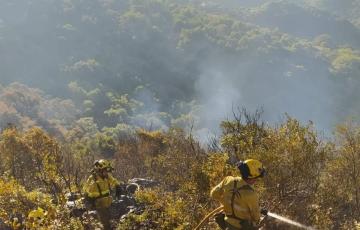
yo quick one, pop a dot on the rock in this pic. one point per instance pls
(132, 188)
(142, 182)
(72, 196)
(128, 200)
(77, 212)
(118, 208)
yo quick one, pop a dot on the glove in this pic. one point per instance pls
(264, 211)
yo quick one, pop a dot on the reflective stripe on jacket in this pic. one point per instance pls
(239, 199)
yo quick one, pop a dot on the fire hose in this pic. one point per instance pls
(208, 216)
(270, 214)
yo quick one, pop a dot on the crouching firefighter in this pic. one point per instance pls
(98, 189)
(239, 199)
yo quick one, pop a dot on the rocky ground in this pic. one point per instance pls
(120, 208)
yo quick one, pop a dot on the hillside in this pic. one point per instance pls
(98, 46)
(307, 22)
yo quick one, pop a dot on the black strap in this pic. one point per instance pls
(97, 185)
(233, 197)
(99, 189)
(109, 187)
(236, 192)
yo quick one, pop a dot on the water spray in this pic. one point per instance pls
(273, 215)
(288, 221)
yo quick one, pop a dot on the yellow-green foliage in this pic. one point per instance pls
(151, 139)
(175, 162)
(308, 179)
(243, 134)
(340, 188)
(31, 157)
(343, 59)
(165, 210)
(33, 175)
(295, 157)
(14, 199)
(216, 167)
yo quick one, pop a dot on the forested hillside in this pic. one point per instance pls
(158, 87)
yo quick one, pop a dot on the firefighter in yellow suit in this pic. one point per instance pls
(239, 199)
(98, 189)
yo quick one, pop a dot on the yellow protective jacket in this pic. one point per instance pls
(239, 199)
(99, 189)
